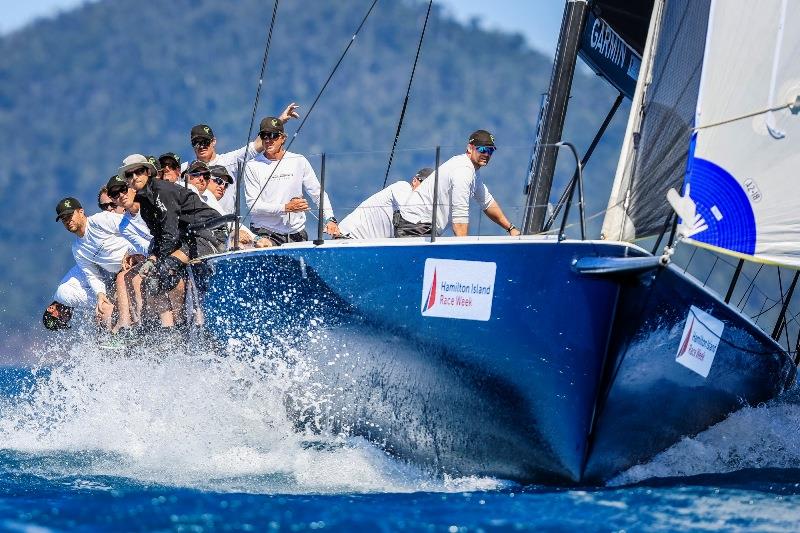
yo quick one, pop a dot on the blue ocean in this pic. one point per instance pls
(92, 439)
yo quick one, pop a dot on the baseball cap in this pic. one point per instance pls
(170, 155)
(115, 183)
(221, 172)
(197, 166)
(66, 207)
(423, 173)
(155, 162)
(270, 125)
(201, 131)
(481, 138)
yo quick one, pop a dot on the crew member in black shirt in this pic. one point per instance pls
(169, 211)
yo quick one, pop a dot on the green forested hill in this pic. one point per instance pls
(80, 92)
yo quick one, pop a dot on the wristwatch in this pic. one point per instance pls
(511, 228)
(331, 219)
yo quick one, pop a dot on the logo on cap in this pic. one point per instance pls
(207, 130)
(67, 203)
(491, 137)
(275, 122)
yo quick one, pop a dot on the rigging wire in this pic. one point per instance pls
(240, 174)
(408, 92)
(311, 109)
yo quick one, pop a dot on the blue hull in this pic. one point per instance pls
(530, 392)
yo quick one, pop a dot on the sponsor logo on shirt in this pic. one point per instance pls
(699, 342)
(458, 289)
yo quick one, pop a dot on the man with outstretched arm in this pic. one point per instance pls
(204, 144)
(459, 180)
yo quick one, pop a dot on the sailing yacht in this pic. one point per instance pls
(543, 358)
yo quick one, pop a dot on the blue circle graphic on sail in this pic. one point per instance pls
(724, 206)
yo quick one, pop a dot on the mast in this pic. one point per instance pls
(543, 165)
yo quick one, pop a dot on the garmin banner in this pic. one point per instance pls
(609, 55)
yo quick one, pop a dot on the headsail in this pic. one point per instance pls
(744, 156)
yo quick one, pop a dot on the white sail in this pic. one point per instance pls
(744, 164)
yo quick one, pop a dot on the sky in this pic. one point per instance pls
(537, 20)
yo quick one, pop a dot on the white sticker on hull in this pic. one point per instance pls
(458, 289)
(699, 342)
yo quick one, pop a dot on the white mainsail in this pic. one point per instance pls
(744, 161)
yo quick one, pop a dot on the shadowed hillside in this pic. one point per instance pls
(80, 92)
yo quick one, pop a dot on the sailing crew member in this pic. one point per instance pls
(220, 180)
(374, 217)
(458, 181)
(99, 249)
(169, 210)
(274, 187)
(170, 166)
(204, 144)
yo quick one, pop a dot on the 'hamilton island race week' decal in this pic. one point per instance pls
(458, 289)
(699, 342)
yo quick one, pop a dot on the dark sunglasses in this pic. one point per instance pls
(269, 135)
(116, 193)
(130, 174)
(219, 181)
(107, 205)
(486, 149)
(201, 143)
(204, 175)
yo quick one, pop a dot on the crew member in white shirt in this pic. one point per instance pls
(99, 249)
(459, 181)
(204, 144)
(374, 217)
(274, 187)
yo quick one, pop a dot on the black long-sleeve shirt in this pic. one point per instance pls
(168, 210)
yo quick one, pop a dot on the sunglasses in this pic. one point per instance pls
(486, 149)
(107, 205)
(116, 193)
(201, 143)
(219, 181)
(269, 135)
(141, 171)
(204, 175)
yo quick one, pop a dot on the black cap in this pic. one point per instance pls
(53, 322)
(197, 166)
(271, 125)
(155, 162)
(115, 183)
(423, 173)
(169, 155)
(66, 207)
(481, 138)
(202, 131)
(221, 172)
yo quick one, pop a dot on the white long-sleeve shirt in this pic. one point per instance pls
(372, 219)
(73, 289)
(101, 248)
(292, 175)
(458, 182)
(135, 230)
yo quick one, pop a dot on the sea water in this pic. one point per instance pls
(175, 441)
